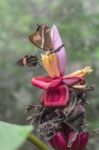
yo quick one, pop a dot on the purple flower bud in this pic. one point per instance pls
(61, 55)
(80, 142)
(58, 141)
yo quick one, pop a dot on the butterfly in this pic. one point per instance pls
(41, 38)
(28, 60)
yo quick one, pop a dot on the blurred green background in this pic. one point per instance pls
(78, 23)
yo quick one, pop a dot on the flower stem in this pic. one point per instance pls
(33, 139)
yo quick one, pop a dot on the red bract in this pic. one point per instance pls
(56, 92)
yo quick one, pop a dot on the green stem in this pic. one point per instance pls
(33, 139)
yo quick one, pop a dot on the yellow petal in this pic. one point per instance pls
(81, 73)
(50, 63)
(54, 64)
(47, 66)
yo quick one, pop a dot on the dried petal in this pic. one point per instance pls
(79, 109)
(72, 140)
(76, 118)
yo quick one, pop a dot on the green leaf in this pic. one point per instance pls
(13, 136)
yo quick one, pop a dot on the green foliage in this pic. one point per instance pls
(13, 136)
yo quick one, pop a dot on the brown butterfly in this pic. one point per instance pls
(41, 38)
(28, 60)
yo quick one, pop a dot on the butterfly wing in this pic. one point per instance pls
(41, 38)
(35, 38)
(28, 60)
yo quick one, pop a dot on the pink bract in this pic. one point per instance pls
(61, 55)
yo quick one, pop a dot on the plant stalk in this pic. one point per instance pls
(38, 143)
